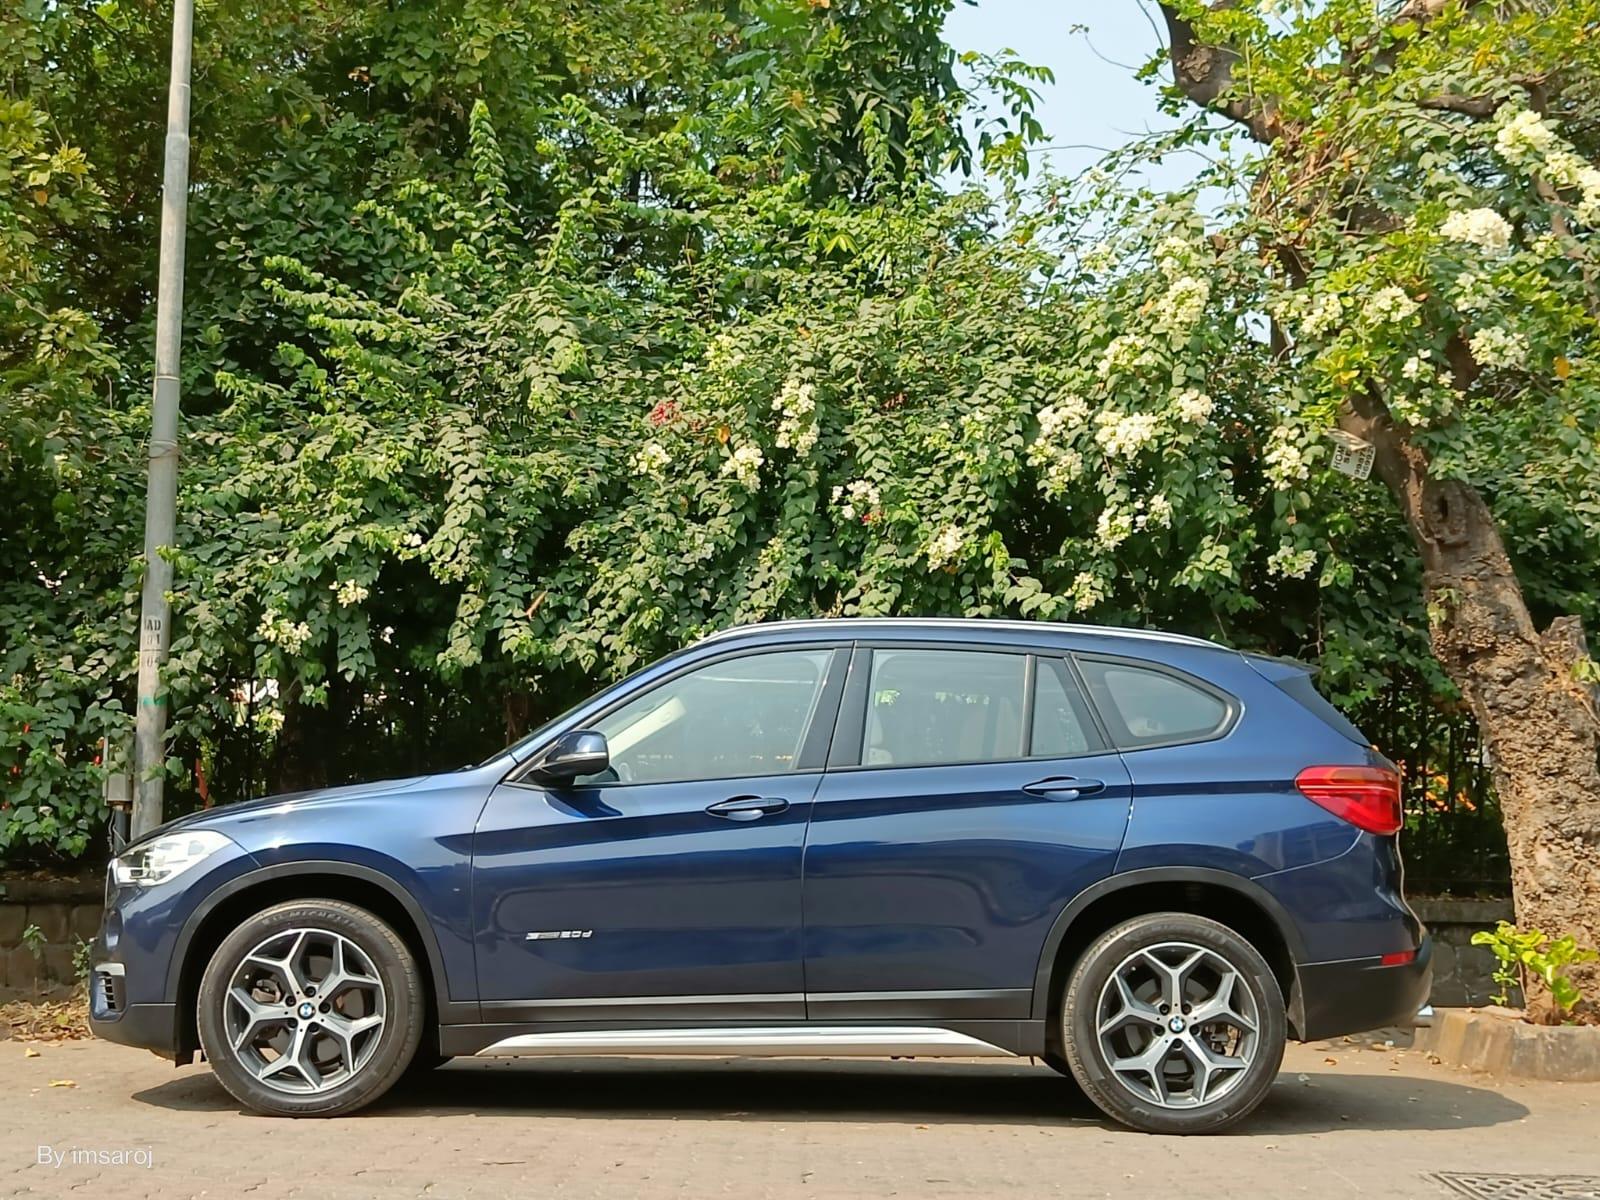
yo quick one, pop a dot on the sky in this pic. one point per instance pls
(1095, 103)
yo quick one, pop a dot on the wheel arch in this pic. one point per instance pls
(257, 890)
(1234, 901)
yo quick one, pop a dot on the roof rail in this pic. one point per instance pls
(869, 623)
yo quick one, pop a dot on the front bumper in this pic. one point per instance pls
(152, 1027)
(1360, 994)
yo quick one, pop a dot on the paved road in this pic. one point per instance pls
(1374, 1123)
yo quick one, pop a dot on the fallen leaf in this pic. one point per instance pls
(30, 1052)
(1332, 1062)
(63, 1083)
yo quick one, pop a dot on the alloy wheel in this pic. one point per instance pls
(305, 1011)
(1177, 1025)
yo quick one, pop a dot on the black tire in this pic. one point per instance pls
(1133, 1097)
(383, 1054)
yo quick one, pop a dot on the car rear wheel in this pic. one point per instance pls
(1173, 1023)
(311, 1008)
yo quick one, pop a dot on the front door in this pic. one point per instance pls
(970, 797)
(667, 888)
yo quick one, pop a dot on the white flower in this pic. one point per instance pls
(1496, 347)
(1523, 137)
(1194, 406)
(1058, 467)
(276, 629)
(1086, 590)
(1157, 511)
(1388, 305)
(1113, 527)
(348, 592)
(1125, 353)
(1063, 417)
(1183, 305)
(1291, 563)
(1323, 315)
(1123, 435)
(744, 464)
(652, 459)
(1480, 227)
(46, 811)
(1285, 461)
(1564, 168)
(946, 547)
(1417, 366)
(1172, 255)
(859, 498)
(1473, 292)
(1589, 205)
(797, 408)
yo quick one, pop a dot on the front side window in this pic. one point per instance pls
(930, 707)
(1152, 708)
(742, 716)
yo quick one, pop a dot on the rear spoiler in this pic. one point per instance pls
(1275, 667)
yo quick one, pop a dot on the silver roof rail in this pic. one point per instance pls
(866, 624)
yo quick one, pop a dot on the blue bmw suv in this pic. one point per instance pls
(1143, 858)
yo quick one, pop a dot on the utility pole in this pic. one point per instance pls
(155, 635)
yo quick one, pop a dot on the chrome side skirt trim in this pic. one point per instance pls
(781, 1041)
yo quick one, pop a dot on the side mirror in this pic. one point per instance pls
(575, 753)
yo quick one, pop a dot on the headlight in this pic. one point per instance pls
(165, 858)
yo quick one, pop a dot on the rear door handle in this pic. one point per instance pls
(747, 808)
(1064, 787)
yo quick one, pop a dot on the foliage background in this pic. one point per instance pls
(527, 340)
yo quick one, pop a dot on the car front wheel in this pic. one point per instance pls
(1173, 1023)
(311, 1008)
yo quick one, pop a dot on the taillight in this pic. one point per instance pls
(1367, 797)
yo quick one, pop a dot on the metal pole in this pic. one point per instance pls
(150, 724)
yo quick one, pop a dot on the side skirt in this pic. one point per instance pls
(968, 1039)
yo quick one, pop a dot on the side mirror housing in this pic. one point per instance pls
(576, 753)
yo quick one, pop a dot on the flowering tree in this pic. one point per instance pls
(1422, 228)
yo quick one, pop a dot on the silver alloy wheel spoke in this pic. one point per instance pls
(1178, 1026)
(305, 1010)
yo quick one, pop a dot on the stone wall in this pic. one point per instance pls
(1461, 971)
(65, 910)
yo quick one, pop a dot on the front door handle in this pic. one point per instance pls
(1064, 787)
(748, 808)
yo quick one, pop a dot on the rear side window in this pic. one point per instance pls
(927, 707)
(1062, 727)
(1301, 688)
(1146, 707)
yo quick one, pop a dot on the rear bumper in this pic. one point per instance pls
(1358, 994)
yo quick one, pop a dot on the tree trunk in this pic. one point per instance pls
(1538, 720)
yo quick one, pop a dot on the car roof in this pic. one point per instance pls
(953, 627)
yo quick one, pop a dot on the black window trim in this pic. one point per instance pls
(820, 722)
(1111, 723)
(849, 735)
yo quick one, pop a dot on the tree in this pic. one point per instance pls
(1425, 210)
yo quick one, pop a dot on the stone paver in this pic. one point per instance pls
(1373, 1122)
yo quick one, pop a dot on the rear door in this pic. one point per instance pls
(969, 796)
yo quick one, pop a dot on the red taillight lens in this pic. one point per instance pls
(1367, 797)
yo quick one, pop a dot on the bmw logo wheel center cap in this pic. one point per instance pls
(307, 1010)
(1176, 1024)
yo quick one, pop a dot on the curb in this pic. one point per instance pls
(1498, 1042)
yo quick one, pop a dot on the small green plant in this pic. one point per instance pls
(33, 938)
(1530, 952)
(80, 959)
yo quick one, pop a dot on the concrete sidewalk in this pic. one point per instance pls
(1372, 1122)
